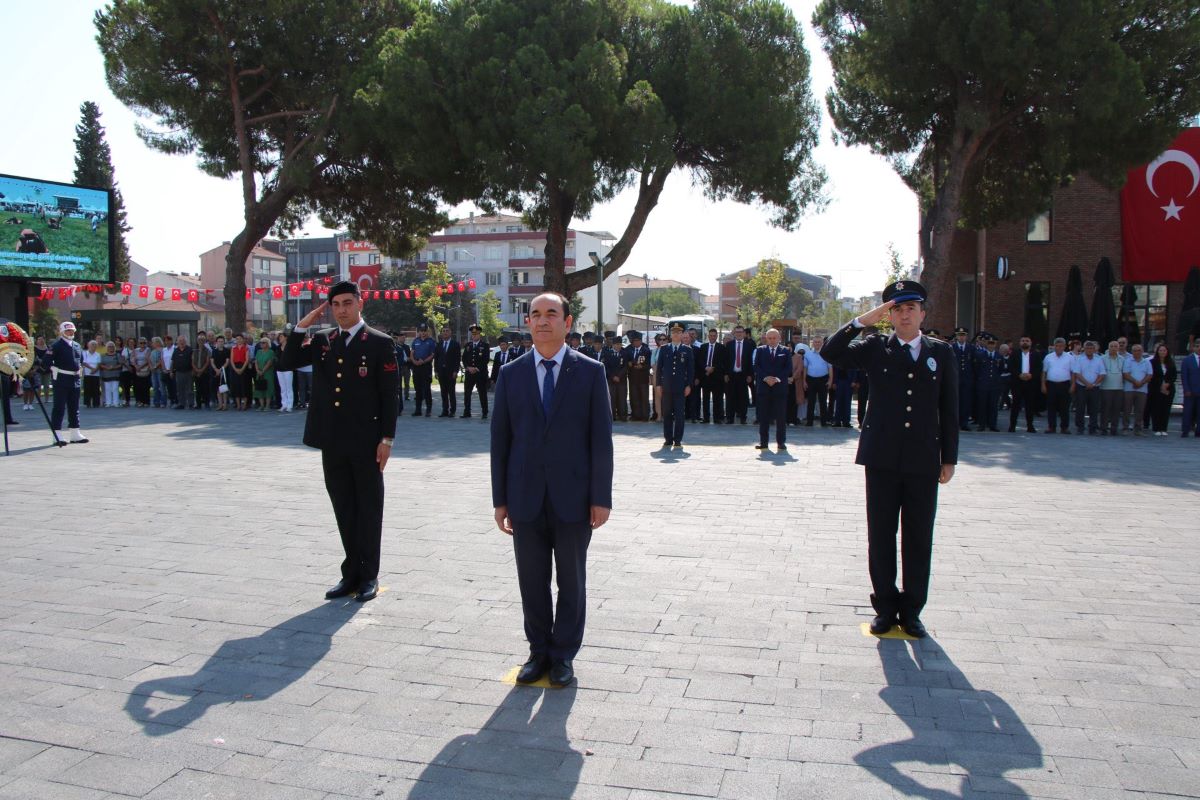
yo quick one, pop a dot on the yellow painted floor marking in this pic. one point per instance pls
(511, 679)
(895, 633)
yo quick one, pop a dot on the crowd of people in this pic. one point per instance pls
(1111, 391)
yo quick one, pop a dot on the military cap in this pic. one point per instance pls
(421, 326)
(960, 329)
(502, 338)
(588, 336)
(343, 287)
(634, 336)
(676, 327)
(474, 328)
(610, 334)
(904, 291)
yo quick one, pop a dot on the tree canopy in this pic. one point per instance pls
(94, 167)
(549, 107)
(264, 91)
(669, 302)
(763, 295)
(986, 107)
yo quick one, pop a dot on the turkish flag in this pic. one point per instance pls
(1160, 214)
(367, 277)
(277, 292)
(159, 293)
(126, 288)
(193, 295)
(143, 291)
(176, 294)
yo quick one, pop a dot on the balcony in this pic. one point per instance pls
(529, 289)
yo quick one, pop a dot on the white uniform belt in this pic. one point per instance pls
(55, 371)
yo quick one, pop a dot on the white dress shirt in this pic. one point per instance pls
(540, 370)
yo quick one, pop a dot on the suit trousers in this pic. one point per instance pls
(554, 630)
(184, 390)
(772, 407)
(673, 409)
(471, 382)
(712, 391)
(66, 398)
(987, 404)
(448, 384)
(966, 400)
(355, 487)
(1087, 402)
(639, 398)
(735, 397)
(1024, 396)
(616, 398)
(692, 404)
(908, 501)
(422, 376)
(1111, 401)
(1058, 404)
(1191, 415)
(1131, 412)
(818, 394)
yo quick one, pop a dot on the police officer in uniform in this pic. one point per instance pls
(615, 373)
(909, 445)
(964, 360)
(638, 360)
(403, 356)
(423, 348)
(574, 340)
(475, 359)
(989, 383)
(676, 371)
(589, 348)
(352, 421)
(66, 369)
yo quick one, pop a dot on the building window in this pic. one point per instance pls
(1038, 227)
(518, 306)
(353, 259)
(495, 278)
(513, 229)
(516, 278)
(373, 258)
(1037, 312)
(1147, 310)
(522, 251)
(464, 255)
(494, 253)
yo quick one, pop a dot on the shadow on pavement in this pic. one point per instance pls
(519, 752)
(979, 732)
(242, 670)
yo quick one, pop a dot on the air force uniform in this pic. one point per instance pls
(675, 372)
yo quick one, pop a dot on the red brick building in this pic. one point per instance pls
(1082, 226)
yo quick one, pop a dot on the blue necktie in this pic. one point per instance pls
(548, 385)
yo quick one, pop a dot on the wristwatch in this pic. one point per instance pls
(387, 442)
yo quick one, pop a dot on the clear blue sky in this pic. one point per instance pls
(177, 212)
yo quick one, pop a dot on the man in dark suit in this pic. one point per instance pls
(475, 358)
(741, 375)
(504, 355)
(676, 371)
(772, 368)
(712, 368)
(909, 445)
(552, 472)
(1025, 365)
(446, 360)
(638, 360)
(352, 421)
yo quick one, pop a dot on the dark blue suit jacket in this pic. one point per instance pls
(567, 457)
(776, 362)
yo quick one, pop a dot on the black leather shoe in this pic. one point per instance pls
(561, 673)
(533, 669)
(914, 628)
(417, 413)
(367, 591)
(667, 444)
(760, 447)
(881, 625)
(465, 415)
(341, 589)
(782, 448)
(678, 444)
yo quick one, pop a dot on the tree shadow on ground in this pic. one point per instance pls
(520, 752)
(249, 669)
(959, 733)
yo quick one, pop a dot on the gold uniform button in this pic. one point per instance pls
(910, 374)
(907, 424)
(910, 391)
(339, 374)
(908, 408)
(337, 389)
(337, 402)
(339, 360)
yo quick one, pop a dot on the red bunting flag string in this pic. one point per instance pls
(277, 291)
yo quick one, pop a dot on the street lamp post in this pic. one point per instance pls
(599, 262)
(646, 277)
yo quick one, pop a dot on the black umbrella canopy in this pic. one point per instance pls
(1103, 323)
(1073, 324)
(1128, 324)
(1189, 315)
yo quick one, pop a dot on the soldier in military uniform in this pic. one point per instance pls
(637, 360)
(66, 369)
(589, 346)
(615, 374)
(352, 421)
(909, 445)
(676, 371)
(987, 370)
(475, 358)
(964, 360)
(574, 340)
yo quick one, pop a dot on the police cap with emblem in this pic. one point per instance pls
(905, 291)
(474, 328)
(676, 327)
(422, 327)
(960, 330)
(343, 287)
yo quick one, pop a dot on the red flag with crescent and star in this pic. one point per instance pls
(1160, 214)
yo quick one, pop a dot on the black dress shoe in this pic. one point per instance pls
(561, 673)
(341, 589)
(678, 443)
(881, 625)
(667, 444)
(914, 628)
(484, 415)
(782, 448)
(533, 669)
(417, 413)
(760, 447)
(367, 591)
(465, 415)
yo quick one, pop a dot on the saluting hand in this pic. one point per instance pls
(314, 316)
(875, 314)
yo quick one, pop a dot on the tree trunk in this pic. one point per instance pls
(938, 225)
(560, 206)
(259, 218)
(649, 190)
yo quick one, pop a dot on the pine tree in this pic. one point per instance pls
(93, 167)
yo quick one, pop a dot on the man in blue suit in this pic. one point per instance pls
(1189, 376)
(676, 371)
(772, 370)
(552, 472)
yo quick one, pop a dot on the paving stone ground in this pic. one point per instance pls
(163, 633)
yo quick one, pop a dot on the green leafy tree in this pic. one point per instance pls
(264, 92)
(576, 307)
(824, 315)
(45, 321)
(434, 308)
(394, 314)
(552, 106)
(762, 296)
(487, 314)
(669, 302)
(985, 108)
(797, 300)
(94, 167)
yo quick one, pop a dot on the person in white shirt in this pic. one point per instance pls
(1057, 368)
(1087, 374)
(1137, 375)
(1112, 390)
